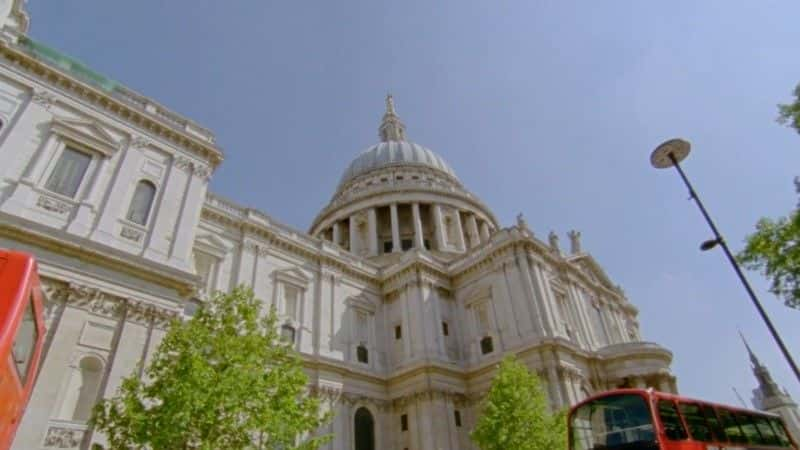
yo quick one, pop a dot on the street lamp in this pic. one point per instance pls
(670, 154)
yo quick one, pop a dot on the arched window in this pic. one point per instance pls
(141, 202)
(365, 430)
(91, 373)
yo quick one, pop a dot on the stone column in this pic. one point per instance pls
(472, 231)
(554, 383)
(354, 247)
(189, 217)
(337, 233)
(118, 188)
(438, 227)
(372, 231)
(419, 242)
(395, 228)
(459, 232)
(485, 235)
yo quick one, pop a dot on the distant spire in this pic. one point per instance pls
(766, 384)
(753, 359)
(391, 129)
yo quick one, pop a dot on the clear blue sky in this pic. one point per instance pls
(549, 108)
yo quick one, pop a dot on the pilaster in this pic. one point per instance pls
(395, 228)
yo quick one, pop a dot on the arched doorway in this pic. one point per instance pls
(365, 430)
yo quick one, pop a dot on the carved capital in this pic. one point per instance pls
(202, 172)
(184, 164)
(43, 98)
(140, 142)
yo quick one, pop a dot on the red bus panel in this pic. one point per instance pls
(21, 338)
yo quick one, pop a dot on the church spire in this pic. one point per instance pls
(391, 129)
(753, 359)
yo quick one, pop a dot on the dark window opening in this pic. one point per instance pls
(457, 415)
(698, 428)
(398, 332)
(365, 430)
(427, 244)
(486, 345)
(399, 177)
(406, 244)
(362, 354)
(445, 330)
(287, 333)
(673, 427)
(404, 422)
(387, 247)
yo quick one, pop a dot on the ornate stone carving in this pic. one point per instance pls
(140, 142)
(202, 172)
(553, 239)
(59, 437)
(131, 234)
(43, 98)
(184, 164)
(575, 241)
(53, 205)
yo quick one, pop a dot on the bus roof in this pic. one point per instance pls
(651, 393)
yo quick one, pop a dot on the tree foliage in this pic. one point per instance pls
(223, 379)
(774, 249)
(789, 114)
(516, 415)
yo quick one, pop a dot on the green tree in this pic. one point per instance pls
(774, 249)
(223, 379)
(789, 114)
(515, 414)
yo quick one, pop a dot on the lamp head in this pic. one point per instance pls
(677, 148)
(709, 244)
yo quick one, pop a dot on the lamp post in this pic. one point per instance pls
(670, 154)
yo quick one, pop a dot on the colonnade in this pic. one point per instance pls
(399, 227)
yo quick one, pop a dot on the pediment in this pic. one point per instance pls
(362, 302)
(292, 275)
(210, 243)
(88, 133)
(589, 267)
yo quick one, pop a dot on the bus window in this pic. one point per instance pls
(713, 423)
(673, 427)
(748, 428)
(732, 429)
(767, 433)
(616, 421)
(780, 431)
(698, 428)
(25, 342)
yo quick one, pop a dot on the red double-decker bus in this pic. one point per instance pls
(21, 337)
(639, 419)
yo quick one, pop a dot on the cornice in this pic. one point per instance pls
(147, 115)
(26, 231)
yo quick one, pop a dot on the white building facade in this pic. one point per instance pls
(402, 297)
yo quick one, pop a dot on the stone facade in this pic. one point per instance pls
(402, 296)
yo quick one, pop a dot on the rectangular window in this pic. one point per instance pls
(457, 415)
(290, 295)
(404, 422)
(406, 244)
(767, 433)
(445, 330)
(25, 342)
(387, 246)
(748, 428)
(714, 424)
(362, 354)
(698, 428)
(66, 177)
(487, 346)
(398, 332)
(673, 427)
(732, 429)
(427, 244)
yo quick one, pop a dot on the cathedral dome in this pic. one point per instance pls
(395, 153)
